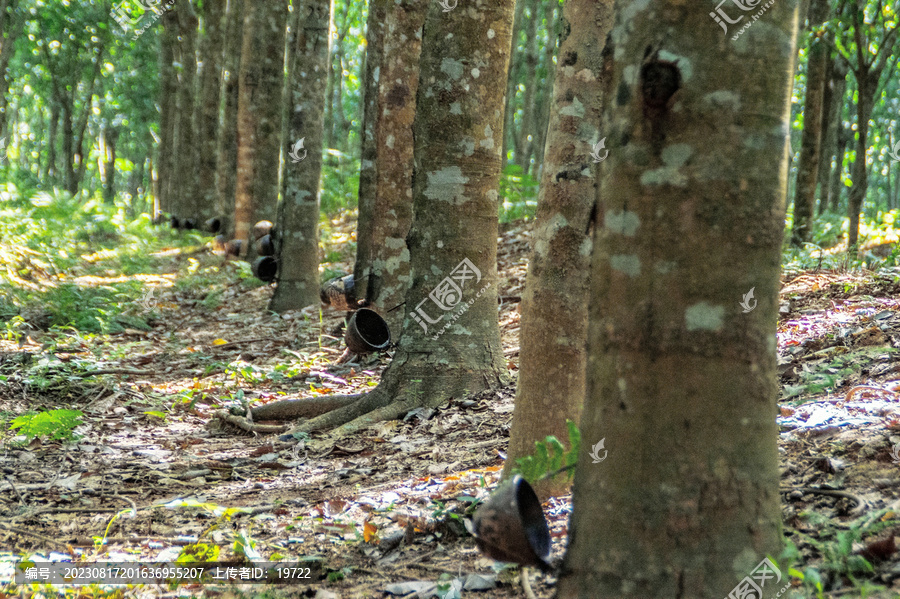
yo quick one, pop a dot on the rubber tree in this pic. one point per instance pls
(681, 498)
(259, 116)
(811, 139)
(298, 220)
(450, 341)
(387, 276)
(553, 338)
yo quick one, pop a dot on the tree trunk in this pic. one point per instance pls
(109, 135)
(552, 354)
(298, 222)
(512, 81)
(859, 171)
(450, 343)
(51, 141)
(682, 383)
(526, 132)
(543, 120)
(375, 26)
(834, 183)
(826, 148)
(259, 116)
(832, 122)
(11, 22)
(340, 124)
(68, 131)
(395, 113)
(168, 110)
(226, 146)
(811, 141)
(867, 69)
(87, 109)
(207, 115)
(186, 161)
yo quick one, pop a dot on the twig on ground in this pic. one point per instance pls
(28, 533)
(113, 371)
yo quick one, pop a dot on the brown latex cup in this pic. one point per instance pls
(265, 268)
(367, 332)
(510, 526)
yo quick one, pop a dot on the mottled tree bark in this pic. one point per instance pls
(226, 146)
(450, 342)
(298, 222)
(395, 113)
(553, 338)
(207, 115)
(375, 25)
(682, 381)
(259, 116)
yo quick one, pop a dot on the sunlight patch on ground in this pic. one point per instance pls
(165, 280)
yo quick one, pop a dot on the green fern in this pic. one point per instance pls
(550, 457)
(56, 425)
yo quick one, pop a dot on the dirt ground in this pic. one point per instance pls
(385, 507)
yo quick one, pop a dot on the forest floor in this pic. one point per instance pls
(148, 477)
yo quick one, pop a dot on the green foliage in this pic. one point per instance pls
(72, 264)
(550, 456)
(55, 425)
(836, 546)
(198, 553)
(340, 182)
(826, 374)
(518, 194)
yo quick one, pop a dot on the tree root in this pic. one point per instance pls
(247, 425)
(344, 414)
(290, 409)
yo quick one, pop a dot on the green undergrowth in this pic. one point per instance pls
(86, 265)
(826, 250)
